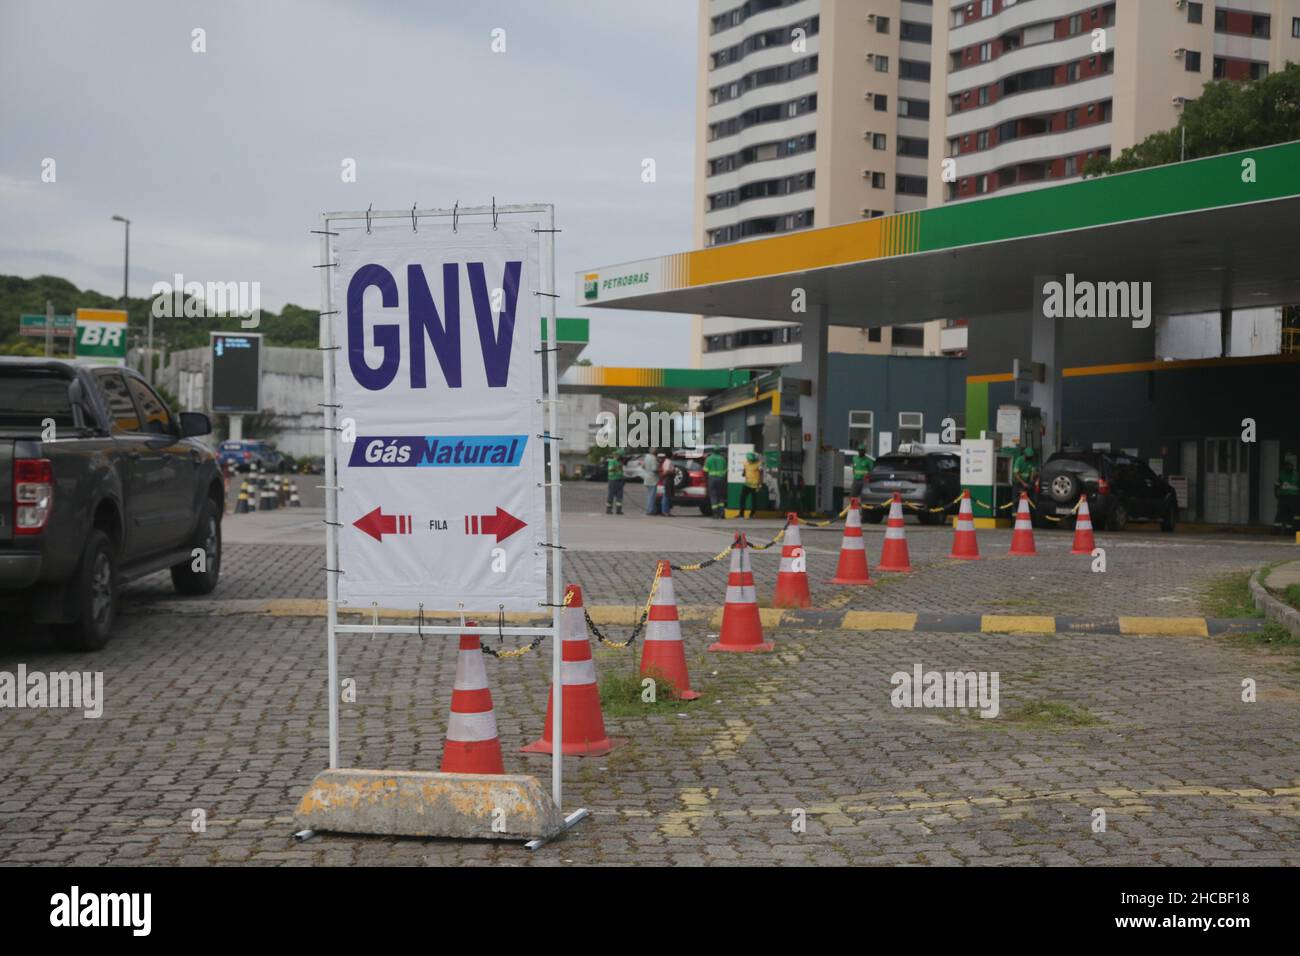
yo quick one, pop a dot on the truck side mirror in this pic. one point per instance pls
(195, 424)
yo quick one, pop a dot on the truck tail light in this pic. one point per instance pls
(1103, 486)
(33, 494)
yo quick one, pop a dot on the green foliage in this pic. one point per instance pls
(294, 326)
(1229, 115)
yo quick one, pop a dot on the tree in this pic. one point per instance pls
(1230, 115)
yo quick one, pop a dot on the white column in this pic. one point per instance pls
(812, 366)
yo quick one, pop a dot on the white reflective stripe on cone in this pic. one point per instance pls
(853, 544)
(663, 631)
(893, 532)
(786, 565)
(467, 728)
(577, 672)
(665, 593)
(741, 594)
(575, 624)
(965, 524)
(470, 673)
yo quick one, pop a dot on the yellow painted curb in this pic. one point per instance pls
(878, 621)
(1164, 626)
(1017, 624)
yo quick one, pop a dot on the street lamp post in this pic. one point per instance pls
(126, 285)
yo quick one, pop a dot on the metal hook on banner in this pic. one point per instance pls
(501, 623)
(494, 213)
(419, 622)
(374, 619)
(372, 206)
(413, 205)
(455, 214)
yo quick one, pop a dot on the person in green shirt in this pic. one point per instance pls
(715, 467)
(614, 494)
(1287, 491)
(1023, 471)
(862, 465)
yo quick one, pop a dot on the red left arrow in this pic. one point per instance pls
(377, 524)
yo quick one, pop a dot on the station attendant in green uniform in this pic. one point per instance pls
(862, 465)
(614, 495)
(715, 467)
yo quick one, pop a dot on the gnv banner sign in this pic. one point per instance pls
(437, 370)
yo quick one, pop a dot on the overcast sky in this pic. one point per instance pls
(224, 160)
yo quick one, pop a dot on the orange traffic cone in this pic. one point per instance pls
(584, 727)
(792, 577)
(472, 745)
(852, 568)
(1083, 543)
(741, 628)
(1022, 538)
(664, 656)
(893, 555)
(964, 544)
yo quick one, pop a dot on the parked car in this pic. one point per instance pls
(241, 454)
(121, 489)
(928, 479)
(1119, 487)
(690, 483)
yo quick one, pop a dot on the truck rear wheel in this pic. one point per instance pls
(207, 538)
(95, 587)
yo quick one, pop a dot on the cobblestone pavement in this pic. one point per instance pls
(226, 713)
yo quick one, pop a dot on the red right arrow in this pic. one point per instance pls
(502, 524)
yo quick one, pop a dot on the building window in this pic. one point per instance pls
(1194, 12)
(882, 64)
(914, 70)
(986, 52)
(1072, 73)
(877, 180)
(882, 24)
(986, 8)
(1261, 26)
(915, 32)
(1192, 61)
(982, 139)
(879, 141)
(913, 146)
(983, 96)
(861, 431)
(1071, 118)
(1076, 24)
(916, 109)
(1071, 166)
(910, 185)
(881, 102)
(911, 425)
(1258, 70)
(873, 335)
(1295, 26)
(981, 185)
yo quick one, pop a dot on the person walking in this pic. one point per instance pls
(650, 475)
(753, 481)
(665, 485)
(715, 466)
(614, 487)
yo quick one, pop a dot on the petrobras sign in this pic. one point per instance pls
(438, 379)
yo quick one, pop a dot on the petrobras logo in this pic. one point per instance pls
(438, 451)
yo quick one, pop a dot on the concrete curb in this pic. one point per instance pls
(1274, 610)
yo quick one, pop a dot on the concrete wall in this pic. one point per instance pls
(292, 387)
(888, 384)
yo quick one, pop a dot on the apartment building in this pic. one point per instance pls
(1028, 91)
(809, 113)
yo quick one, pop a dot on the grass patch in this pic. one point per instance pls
(1292, 595)
(1229, 596)
(1270, 634)
(620, 696)
(1052, 713)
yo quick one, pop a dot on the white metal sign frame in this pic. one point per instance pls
(544, 214)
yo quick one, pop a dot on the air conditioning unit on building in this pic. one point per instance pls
(1179, 4)
(871, 18)
(1180, 101)
(871, 57)
(1178, 54)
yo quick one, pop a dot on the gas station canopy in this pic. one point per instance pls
(1209, 234)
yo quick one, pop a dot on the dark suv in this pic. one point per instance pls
(928, 480)
(1119, 487)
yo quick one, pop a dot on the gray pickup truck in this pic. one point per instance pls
(99, 483)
